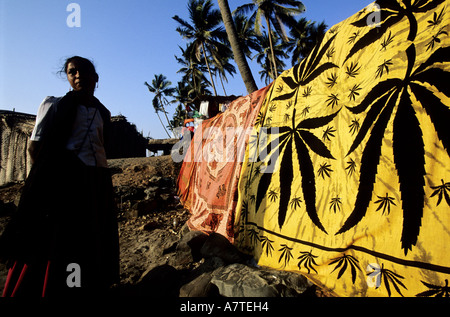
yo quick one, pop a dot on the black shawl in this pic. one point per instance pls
(29, 224)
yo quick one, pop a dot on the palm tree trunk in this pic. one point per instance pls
(209, 70)
(239, 56)
(162, 124)
(274, 63)
(223, 87)
(165, 113)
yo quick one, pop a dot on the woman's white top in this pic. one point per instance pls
(87, 133)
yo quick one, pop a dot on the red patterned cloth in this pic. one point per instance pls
(208, 179)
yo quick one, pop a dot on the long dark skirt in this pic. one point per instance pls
(64, 238)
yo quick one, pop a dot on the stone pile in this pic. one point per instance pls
(193, 264)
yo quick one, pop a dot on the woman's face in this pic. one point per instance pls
(81, 78)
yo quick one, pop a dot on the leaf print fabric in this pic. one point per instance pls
(357, 138)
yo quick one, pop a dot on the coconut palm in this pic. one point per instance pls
(161, 88)
(276, 13)
(304, 36)
(270, 50)
(222, 67)
(193, 72)
(182, 95)
(157, 110)
(247, 36)
(207, 36)
(237, 47)
(178, 119)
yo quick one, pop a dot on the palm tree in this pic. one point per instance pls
(266, 71)
(270, 50)
(304, 36)
(221, 64)
(193, 72)
(205, 31)
(178, 119)
(221, 67)
(236, 46)
(161, 88)
(247, 36)
(276, 13)
(157, 110)
(182, 95)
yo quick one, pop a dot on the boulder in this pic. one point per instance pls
(238, 280)
(161, 281)
(216, 245)
(188, 248)
(199, 287)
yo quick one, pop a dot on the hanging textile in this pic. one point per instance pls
(348, 177)
(207, 183)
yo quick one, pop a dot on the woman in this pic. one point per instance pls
(63, 239)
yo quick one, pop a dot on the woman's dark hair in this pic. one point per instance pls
(86, 63)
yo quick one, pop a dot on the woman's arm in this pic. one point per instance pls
(33, 150)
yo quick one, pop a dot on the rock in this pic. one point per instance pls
(142, 207)
(218, 245)
(152, 192)
(151, 225)
(125, 193)
(200, 287)
(161, 281)
(188, 249)
(161, 243)
(238, 280)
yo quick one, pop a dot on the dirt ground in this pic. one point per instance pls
(131, 177)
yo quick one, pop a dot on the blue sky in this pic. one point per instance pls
(129, 41)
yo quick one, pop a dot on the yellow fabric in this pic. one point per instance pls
(360, 197)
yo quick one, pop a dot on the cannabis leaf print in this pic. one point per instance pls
(286, 254)
(442, 191)
(353, 70)
(344, 262)
(385, 203)
(273, 195)
(307, 71)
(335, 204)
(296, 202)
(408, 146)
(437, 18)
(324, 170)
(436, 38)
(388, 278)
(267, 245)
(307, 259)
(351, 167)
(297, 139)
(435, 290)
(391, 12)
(290, 140)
